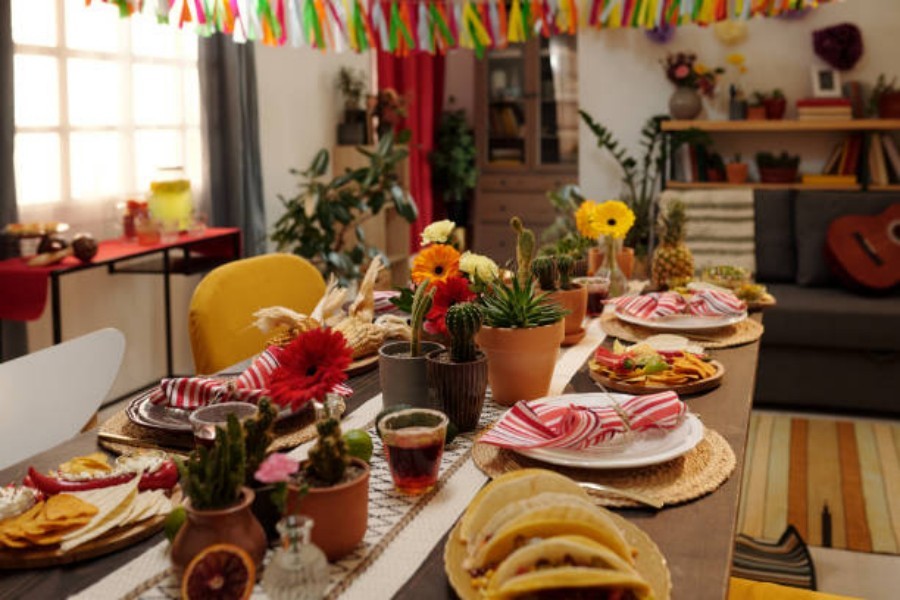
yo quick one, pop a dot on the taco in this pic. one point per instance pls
(574, 583)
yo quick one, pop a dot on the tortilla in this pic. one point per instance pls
(114, 505)
(589, 582)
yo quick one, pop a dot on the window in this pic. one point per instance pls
(101, 103)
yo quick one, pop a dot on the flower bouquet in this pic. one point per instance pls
(684, 70)
(607, 222)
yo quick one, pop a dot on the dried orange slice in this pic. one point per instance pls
(219, 572)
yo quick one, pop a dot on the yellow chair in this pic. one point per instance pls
(220, 319)
(744, 589)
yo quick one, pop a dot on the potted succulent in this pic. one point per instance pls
(773, 104)
(522, 330)
(218, 506)
(885, 101)
(736, 171)
(756, 111)
(554, 275)
(777, 168)
(458, 378)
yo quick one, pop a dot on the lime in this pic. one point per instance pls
(174, 521)
(359, 444)
(452, 432)
(385, 412)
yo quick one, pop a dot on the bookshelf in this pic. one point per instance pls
(865, 127)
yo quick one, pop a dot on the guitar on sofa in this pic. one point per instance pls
(866, 250)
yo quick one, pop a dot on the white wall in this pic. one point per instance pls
(621, 82)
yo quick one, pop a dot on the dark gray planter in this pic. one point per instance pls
(403, 378)
(458, 389)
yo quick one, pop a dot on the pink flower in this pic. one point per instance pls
(276, 468)
(682, 71)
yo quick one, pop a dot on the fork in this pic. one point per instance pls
(637, 497)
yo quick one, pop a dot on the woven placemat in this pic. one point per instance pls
(119, 435)
(745, 332)
(695, 474)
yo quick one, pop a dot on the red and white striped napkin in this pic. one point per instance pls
(540, 425)
(715, 303)
(655, 305)
(189, 393)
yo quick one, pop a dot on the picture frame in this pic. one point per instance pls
(826, 82)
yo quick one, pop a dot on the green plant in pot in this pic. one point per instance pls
(562, 236)
(522, 330)
(736, 171)
(458, 377)
(774, 103)
(453, 171)
(554, 275)
(218, 506)
(775, 168)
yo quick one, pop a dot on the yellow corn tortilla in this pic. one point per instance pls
(572, 578)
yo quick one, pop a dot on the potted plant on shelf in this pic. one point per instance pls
(756, 111)
(458, 378)
(522, 330)
(885, 99)
(554, 275)
(774, 104)
(715, 168)
(352, 85)
(777, 168)
(218, 503)
(736, 170)
(453, 170)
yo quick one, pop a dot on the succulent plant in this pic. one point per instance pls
(421, 304)
(328, 458)
(516, 306)
(544, 268)
(212, 477)
(565, 266)
(463, 322)
(524, 250)
(259, 432)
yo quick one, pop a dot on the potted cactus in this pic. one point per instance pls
(555, 276)
(457, 378)
(402, 364)
(522, 330)
(218, 503)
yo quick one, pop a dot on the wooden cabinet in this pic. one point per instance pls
(526, 129)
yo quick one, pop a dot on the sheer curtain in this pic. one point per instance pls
(231, 132)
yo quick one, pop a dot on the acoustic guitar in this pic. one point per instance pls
(865, 250)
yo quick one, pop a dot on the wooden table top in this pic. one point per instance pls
(697, 538)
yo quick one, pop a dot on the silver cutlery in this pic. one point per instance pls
(637, 497)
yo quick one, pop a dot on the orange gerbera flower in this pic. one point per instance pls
(436, 262)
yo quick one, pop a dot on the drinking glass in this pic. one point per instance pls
(414, 443)
(205, 420)
(597, 291)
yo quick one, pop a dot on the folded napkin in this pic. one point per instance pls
(189, 393)
(715, 303)
(655, 305)
(540, 425)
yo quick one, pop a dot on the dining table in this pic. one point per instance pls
(695, 537)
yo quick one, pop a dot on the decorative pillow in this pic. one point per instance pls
(776, 253)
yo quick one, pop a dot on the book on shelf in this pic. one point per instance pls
(834, 159)
(822, 102)
(835, 180)
(853, 92)
(852, 155)
(892, 155)
(878, 173)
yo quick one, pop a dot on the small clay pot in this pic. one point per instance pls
(574, 301)
(775, 108)
(458, 389)
(756, 113)
(737, 172)
(403, 378)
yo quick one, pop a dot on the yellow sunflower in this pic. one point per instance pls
(436, 262)
(613, 218)
(585, 219)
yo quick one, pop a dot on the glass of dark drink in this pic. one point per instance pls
(597, 292)
(414, 443)
(205, 420)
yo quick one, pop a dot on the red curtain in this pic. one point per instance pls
(419, 79)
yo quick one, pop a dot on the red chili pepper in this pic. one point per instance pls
(163, 478)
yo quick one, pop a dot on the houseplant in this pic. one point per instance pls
(756, 111)
(458, 378)
(322, 221)
(218, 503)
(715, 167)
(522, 330)
(777, 168)
(885, 99)
(562, 236)
(352, 85)
(453, 171)
(691, 79)
(773, 103)
(554, 275)
(736, 171)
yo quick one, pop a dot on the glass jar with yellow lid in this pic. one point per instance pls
(170, 200)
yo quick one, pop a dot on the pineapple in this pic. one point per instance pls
(673, 263)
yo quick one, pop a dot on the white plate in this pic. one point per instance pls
(628, 451)
(683, 322)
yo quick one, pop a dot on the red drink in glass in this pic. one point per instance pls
(597, 293)
(414, 443)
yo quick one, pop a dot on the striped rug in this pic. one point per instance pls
(836, 481)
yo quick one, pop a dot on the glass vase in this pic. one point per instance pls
(298, 569)
(618, 282)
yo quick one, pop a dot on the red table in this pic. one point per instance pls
(24, 288)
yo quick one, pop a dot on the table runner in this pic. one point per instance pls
(391, 552)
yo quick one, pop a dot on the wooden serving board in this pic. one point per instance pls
(638, 389)
(765, 301)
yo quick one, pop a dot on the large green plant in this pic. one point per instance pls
(453, 158)
(323, 222)
(562, 237)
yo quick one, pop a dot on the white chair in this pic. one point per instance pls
(46, 397)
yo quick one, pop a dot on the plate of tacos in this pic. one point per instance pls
(535, 533)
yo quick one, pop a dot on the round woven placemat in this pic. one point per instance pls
(745, 332)
(695, 474)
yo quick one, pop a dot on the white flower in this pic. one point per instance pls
(438, 232)
(479, 267)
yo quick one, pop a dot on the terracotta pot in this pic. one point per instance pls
(737, 172)
(340, 513)
(775, 108)
(574, 301)
(715, 175)
(625, 259)
(458, 389)
(403, 378)
(756, 113)
(520, 361)
(889, 105)
(777, 174)
(233, 525)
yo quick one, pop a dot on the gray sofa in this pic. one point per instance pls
(824, 348)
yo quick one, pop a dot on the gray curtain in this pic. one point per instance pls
(231, 127)
(12, 333)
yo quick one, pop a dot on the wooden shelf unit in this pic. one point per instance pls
(711, 185)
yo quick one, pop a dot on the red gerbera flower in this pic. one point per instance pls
(452, 290)
(310, 366)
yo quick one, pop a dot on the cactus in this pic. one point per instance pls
(463, 322)
(212, 477)
(524, 251)
(259, 434)
(421, 304)
(329, 458)
(544, 268)
(565, 264)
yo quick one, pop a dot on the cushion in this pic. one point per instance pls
(831, 318)
(813, 213)
(776, 254)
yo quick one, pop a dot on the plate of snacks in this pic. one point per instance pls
(536, 533)
(739, 281)
(663, 362)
